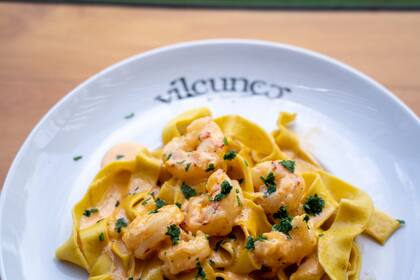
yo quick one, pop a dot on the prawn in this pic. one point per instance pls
(146, 232)
(215, 212)
(280, 250)
(277, 186)
(185, 255)
(192, 156)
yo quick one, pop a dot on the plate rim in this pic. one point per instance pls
(172, 47)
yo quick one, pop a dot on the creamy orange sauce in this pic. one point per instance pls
(107, 204)
(123, 151)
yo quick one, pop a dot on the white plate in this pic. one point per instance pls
(354, 126)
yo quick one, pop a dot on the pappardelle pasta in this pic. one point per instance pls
(222, 199)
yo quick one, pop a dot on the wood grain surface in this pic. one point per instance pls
(46, 49)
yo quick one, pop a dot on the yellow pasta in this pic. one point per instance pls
(221, 199)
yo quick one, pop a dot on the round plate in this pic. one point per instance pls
(355, 127)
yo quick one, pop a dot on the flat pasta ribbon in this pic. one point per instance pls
(353, 214)
(251, 135)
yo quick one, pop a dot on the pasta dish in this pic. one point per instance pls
(221, 199)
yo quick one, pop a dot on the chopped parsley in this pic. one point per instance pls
(250, 242)
(238, 200)
(281, 213)
(246, 163)
(173, 231)
(168, 156)
(119, 156)
(117, 203)
(187, 191)
(144, 202)
(76, 158)
(269, 182)
(285, 226)
(306, 218)
(402, 222)
(225, 190)
(101, 236)
(179, 205)
(160, 203)
(129, 116)
(260, 237)
(314, 205)
(289, 165)
(201, 274)
(229, 155)
(187, 167)
(120, 224)
(88, 212)
(225, 141)
(211, 167)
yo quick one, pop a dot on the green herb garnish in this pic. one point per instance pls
(144, 202)
(173, 231)
(201, 274)
(101, 236)
(179, 205)
(281, 213)
(120, 224)
(289, 165)
(238, 200)
(225, 190)
(168, 156)
(160, 203)
(88, 212)
(229, 155)
(129, 116)
(225, 141)
(269, 182)
(314, 205)
(250, 243)
(187, 191)
(211, 167)
(260, 237)
(402, 222)
(119, 156)
(187, 167)
(306, 218)
(76, 158)
(285, 226)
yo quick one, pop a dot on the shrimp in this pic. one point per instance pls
(289, 188)
(190, 157)
(146, 232)
(279, 250)
(215, 212)
(185, 255)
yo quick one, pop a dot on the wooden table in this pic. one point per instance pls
(46, 49)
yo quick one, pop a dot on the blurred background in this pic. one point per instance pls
(49, 47)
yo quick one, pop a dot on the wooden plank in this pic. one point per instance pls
(46, 49)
